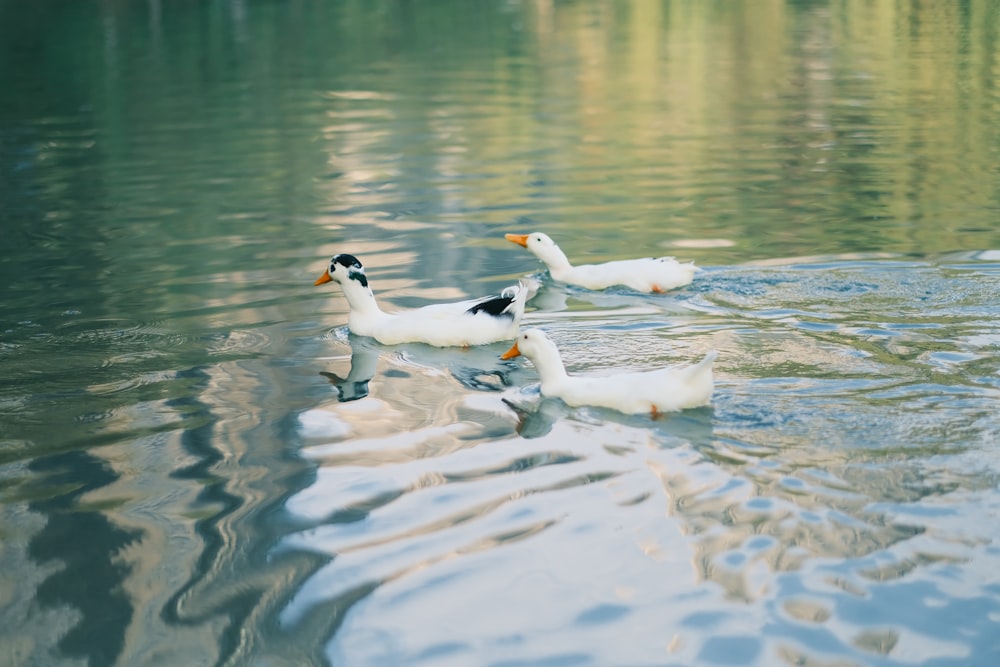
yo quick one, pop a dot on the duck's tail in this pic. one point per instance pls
(708, 359)
(530, 286)
(521, 292)
(703, 366)
(699, 382)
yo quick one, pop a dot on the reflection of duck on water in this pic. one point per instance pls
(364, 359)
(536, 415)
(476, 368)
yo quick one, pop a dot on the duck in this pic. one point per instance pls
(456, 324)
(647, 274)
(653, 392)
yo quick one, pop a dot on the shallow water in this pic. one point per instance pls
(201, 466)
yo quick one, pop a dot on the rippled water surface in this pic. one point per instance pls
(200, 465)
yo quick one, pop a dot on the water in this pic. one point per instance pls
(201, 467)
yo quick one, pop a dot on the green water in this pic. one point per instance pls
(181, 484)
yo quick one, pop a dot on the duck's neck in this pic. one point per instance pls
(550, 369)
(556, 260)
(361, 300)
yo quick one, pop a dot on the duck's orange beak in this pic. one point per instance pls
(519, 239)
(511, 353)
(325, 278)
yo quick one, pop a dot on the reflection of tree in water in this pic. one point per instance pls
(89, 544)
(199, 441)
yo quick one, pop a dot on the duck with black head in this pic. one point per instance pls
(459, 324)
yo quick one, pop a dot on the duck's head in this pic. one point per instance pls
(533, 344)
(541, 246)
(343, 269)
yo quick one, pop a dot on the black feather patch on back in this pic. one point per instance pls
(495, 306)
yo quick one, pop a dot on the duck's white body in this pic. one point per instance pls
(652, 392)
(460, 324)
(648, 274)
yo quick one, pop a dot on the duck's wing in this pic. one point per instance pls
(680, 387)
(501, 305)
(644, 274)
(497, 306)
(509, 304)
(465, 323)
(668, 389)
(608, 274)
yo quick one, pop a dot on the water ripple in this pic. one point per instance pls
(824, 474)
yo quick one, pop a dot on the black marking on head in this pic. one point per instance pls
(495, 306)
(354, 269)
(347, 261)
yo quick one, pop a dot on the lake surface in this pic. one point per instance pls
(200, 466)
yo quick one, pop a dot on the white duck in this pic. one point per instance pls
(662, 390)
(463, 323)
(647, 274)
